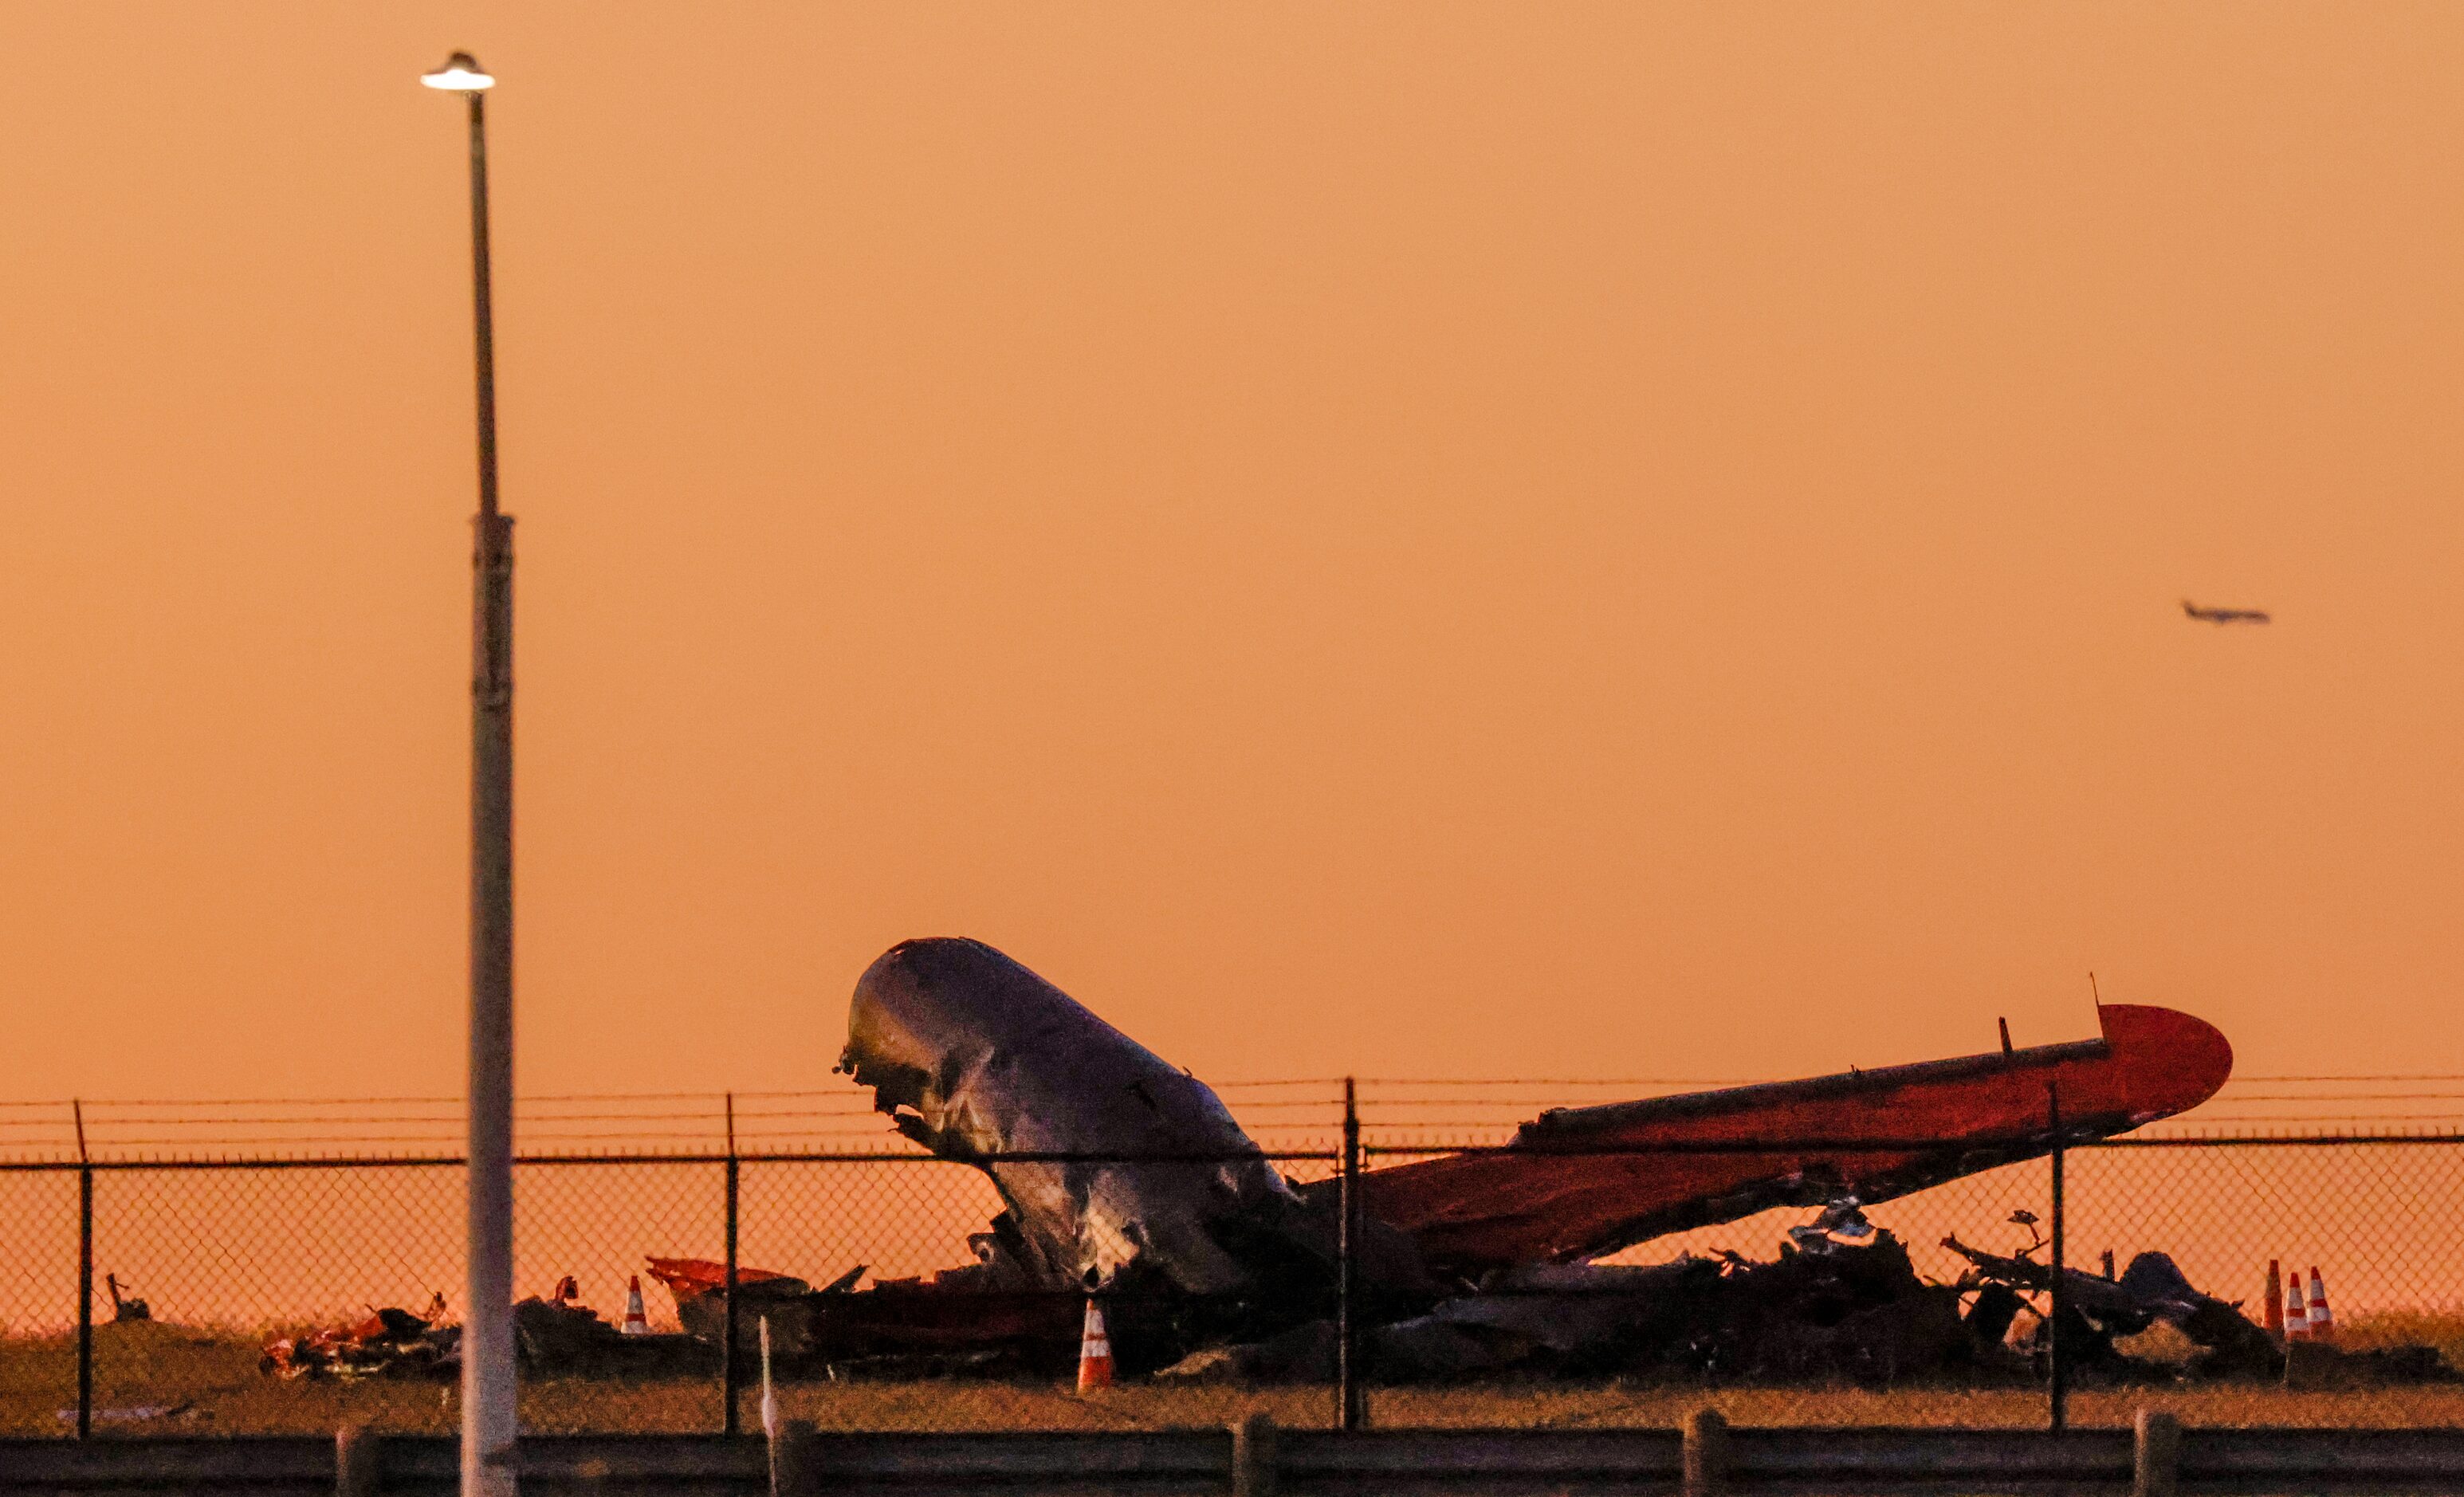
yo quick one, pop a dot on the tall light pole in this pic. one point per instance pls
(488, 1387)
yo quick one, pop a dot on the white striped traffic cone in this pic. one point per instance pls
(1095, 1351)
(2323, 1320)
(636, 1323)
(2296, 1319)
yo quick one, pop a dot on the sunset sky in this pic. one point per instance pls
(1615, 540)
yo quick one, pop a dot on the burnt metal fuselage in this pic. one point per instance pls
(1118, 1171)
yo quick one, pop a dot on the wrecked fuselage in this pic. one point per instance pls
(1122, 1175)
(1118, 1171)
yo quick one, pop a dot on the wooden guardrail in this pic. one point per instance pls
(2157, 1459)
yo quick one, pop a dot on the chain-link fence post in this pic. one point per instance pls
(1346, 1319)
(2057, 1369)
(729, 1421)
(85, 1279)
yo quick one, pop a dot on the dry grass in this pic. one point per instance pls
(2443, 1330)
(212, 1384)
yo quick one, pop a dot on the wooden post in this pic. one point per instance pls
(358, 1467)
(1253, 1457)
(2156, 1455)
(795, 1459)
(1705, 1455)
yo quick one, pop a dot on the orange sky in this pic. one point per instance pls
(1419, 539)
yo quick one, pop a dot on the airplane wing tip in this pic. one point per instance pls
(2173, 1060)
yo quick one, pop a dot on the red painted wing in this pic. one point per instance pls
(1581, 1182)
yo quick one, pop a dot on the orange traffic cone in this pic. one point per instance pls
(1095, 1351)
(2323, 1320)
(636, 1323)
(2274, 1300)
(2296, 1319)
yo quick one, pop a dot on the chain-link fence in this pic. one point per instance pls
(254, 1295)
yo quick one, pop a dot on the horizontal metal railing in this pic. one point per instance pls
(2158, 1456)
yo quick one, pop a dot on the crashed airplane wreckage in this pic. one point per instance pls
(1126, 1176)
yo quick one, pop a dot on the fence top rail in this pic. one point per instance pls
(2021, 1148)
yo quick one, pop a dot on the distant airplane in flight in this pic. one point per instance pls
(2224, 615)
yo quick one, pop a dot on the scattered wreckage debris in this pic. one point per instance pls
(559, 1331)
(1824, 1310)
(555, 1335)
(700, 1289)
(560, 1335)
(2098, 1311)
(390, 1342)
(125, 1307)
(902, 1324)
(1828, 1309)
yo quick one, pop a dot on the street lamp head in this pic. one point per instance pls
(460, 74)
